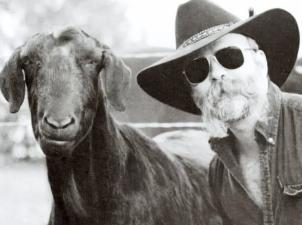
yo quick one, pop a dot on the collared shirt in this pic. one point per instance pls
(280, 142)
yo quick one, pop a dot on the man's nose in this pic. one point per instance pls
(216, 71)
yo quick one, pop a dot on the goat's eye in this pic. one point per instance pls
(38, 64)
(90, 62)
(87, 61)
(35, 63)
(27, 62)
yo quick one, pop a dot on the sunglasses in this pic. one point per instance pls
(198, 69)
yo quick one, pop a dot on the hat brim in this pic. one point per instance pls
(276, 31)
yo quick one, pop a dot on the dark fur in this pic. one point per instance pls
(111, 174)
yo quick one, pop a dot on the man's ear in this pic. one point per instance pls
(116, 78)
(262, 60)
(12, 82)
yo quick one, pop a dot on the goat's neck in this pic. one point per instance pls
(107, 152)
(94, 168)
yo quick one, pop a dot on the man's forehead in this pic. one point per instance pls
(231, 39)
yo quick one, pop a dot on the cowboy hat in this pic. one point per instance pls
(275, 31)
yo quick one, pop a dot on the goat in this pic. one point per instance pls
(100, 171)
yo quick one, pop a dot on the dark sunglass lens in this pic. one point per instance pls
(197, 70)
(230, 58)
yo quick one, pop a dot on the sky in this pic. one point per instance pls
(156, 19)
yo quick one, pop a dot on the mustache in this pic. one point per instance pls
(221, 89)
(223, 95)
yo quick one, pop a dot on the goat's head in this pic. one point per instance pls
(67, 74)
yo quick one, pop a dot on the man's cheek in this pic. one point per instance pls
(199, 93)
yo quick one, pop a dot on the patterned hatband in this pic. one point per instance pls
(204, 34)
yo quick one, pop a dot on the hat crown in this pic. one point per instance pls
(199, 15)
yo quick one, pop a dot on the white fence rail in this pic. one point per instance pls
(20, 143)
(137, 125)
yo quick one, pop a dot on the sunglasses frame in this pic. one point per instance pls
(201, 57)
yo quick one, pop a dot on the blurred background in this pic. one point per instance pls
(141, 32)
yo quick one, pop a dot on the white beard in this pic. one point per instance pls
(230, 108)
(225, 103)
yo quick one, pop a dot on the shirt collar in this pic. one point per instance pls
(269, 128)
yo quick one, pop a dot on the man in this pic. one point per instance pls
(230, 73)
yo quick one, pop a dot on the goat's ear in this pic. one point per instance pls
(116, 79)
(12, 83)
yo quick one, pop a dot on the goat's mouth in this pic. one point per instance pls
(56, 141)
(59, 142)
(55, 144)
(54, 148)
(59, 137)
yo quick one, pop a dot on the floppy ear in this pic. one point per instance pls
(116, 79)
(12, 83)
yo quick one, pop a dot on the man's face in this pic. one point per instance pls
(235, 79)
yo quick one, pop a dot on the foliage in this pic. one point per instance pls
(106, 20)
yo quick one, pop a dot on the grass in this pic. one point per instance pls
(25, 197)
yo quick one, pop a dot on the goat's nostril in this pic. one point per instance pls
(67, 122)
(59, 123)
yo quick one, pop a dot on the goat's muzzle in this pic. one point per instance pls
(58, 130)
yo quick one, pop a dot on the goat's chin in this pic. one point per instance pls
(56, 149)
(60, 147)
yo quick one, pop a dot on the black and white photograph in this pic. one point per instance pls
(163, 112)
